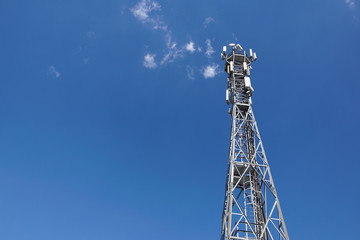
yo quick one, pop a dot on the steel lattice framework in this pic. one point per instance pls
(251, 207)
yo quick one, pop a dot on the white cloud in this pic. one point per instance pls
(350, 4)
(211, 70)
(190, 47)
(149, 12)
(209, 48)
(207, 21)
(149, 61)
(142, 11)
(53, 71)
(173, 51)
(172, 55)
(190, 72)
(169, 42)
(143, 8)
(86, 60)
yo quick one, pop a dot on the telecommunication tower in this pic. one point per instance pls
(251, 207)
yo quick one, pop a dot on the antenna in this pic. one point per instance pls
(254, 56)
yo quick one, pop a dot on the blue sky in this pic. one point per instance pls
(114, 123)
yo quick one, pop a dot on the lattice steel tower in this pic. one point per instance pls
(251, 207)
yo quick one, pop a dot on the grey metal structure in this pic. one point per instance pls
(251, 207)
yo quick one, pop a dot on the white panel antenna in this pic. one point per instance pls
(231, 66)
(247, 82)
(254, 56)
(227, 96)
(245, 66)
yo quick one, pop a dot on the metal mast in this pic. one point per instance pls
(251, 207)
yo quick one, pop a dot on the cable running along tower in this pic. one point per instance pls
(251, 207)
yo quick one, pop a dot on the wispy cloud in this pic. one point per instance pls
(149, 12)
(350, 3)
(207, 21)
(190, 47)
(149, 61)
(173, 52)
(169, 41)
(209, 48)
(53, 71)
(190, 72)
(211, 70)
(142, 11)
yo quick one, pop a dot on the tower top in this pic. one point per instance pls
(239, 53)
(238, 65)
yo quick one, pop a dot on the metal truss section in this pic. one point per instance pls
(251, 207)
